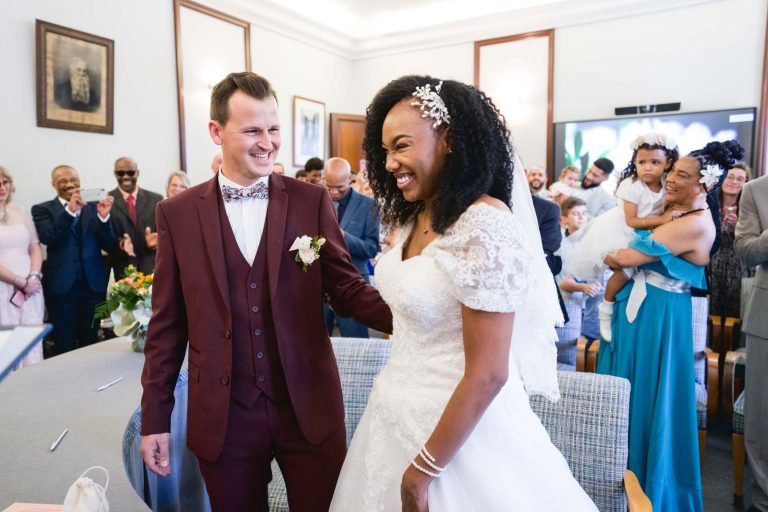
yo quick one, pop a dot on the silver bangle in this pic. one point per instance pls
(35, 275)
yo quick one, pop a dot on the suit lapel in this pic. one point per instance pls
(208, 212)
(276, 218)
(351, 211)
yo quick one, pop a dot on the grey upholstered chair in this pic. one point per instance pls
(589, 425)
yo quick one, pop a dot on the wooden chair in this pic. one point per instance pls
(733, 404)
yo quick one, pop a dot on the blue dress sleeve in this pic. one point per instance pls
(673, 266)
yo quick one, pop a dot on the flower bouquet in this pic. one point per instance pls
(129, 305)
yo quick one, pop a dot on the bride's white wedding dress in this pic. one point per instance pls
(508, 463)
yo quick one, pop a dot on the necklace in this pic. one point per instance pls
(426, 223)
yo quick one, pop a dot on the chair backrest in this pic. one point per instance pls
(569, 333)
(588, 424)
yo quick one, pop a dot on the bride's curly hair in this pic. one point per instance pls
(480, 161)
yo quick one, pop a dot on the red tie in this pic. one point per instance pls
(132, 208)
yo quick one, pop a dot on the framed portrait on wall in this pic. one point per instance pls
(75, 79)
(308, 130)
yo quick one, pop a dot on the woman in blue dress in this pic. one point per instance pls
(655, 349)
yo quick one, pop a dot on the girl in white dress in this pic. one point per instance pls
(640, 198)
(448, 426)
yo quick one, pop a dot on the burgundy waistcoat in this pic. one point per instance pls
(256, 364)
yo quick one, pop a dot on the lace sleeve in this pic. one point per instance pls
(484, 258)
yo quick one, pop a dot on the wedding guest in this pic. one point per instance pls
(20, 259)
(537, 181)
(726, 270)
(278, 168)
(314, 169)
(178, 181)
(652, 343)
(75, 274)
(133, 215)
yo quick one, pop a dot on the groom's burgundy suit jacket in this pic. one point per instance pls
(191, 302)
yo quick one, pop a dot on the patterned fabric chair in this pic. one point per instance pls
(589, 426)
(568, 334)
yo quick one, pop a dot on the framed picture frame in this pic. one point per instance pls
(75, 79)
(308, 130)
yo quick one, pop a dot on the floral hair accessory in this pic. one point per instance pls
(307, 250)
(710, 175)
(431, 104)
(654, 139)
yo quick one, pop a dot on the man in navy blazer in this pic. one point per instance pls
(548, 216)
(359, 223)
(74, 274)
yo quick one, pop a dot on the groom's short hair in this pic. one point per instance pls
(250, 83)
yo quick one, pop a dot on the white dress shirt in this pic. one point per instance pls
(246, 217)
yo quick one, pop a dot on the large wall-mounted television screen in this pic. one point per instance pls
(580, 143)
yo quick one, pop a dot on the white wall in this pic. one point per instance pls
(297, 69)
(707, 57)
(145, 96)
(370, 75)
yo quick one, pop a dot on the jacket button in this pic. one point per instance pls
(259, 355)
(255, 309)
(225, 380)
(227, 334)
(257, 332)
(254, 286)
(261, 378)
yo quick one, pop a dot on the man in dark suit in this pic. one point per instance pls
(548, 216)
(263, 381)
(74, 273)
(360, 226)
(134, 215)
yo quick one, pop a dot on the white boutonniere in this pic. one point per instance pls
(307, 250)
(710, 175)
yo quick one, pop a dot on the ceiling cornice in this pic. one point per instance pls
(269, 16)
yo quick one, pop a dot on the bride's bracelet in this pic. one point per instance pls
(424, 470)
(430, 460)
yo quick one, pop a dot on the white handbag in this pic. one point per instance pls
(85, 495)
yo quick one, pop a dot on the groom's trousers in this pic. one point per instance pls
(237, 480)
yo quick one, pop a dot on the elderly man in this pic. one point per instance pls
(359, 224)
(537, 181)
(74, 274)
(78, 93)
(751, 245)
(134, 215)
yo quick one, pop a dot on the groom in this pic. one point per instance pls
(263, 381)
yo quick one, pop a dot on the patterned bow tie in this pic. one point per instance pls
(260, 190)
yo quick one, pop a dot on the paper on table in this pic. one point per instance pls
(33, 507)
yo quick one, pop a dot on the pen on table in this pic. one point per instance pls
(105, 386)
(57, 441)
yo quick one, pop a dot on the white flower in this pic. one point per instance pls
(653, 139)
(710, 175)
(142, 315)
(301, 243)
(307, 250)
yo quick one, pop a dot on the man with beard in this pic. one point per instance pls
(77, 93)
(598, 200)
(134, 214)
(537, 181)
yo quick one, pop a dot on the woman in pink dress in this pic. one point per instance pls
(21, 298)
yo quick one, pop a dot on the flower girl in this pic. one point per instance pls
(640, 205)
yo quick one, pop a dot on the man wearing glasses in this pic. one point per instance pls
(133, 213)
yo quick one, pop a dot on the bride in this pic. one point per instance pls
(448, 426)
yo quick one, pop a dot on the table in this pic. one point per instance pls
(38, 402)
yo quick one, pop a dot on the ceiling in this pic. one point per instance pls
(359, 29)
(363, 19)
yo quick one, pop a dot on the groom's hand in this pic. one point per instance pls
(155, 449)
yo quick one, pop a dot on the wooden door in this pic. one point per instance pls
(347, 132)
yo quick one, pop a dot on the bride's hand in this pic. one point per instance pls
(413, 490)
